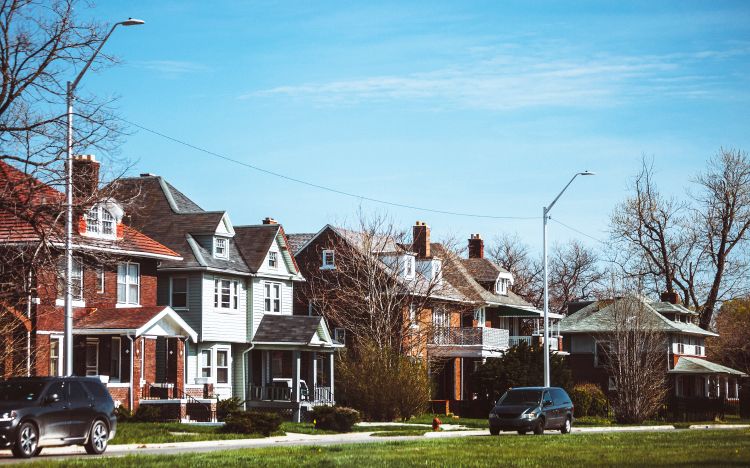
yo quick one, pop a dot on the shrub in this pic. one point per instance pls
(147, 413)
(252, 422)
(335, 418)
(228, 406)
(382, 384)
(589, 400)
(123, 414)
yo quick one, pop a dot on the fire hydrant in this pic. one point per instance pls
(436, 424)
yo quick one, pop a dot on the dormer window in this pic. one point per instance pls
(273, 260)
(501, 286)
(329, 260)
(100, 222)
(220, 247)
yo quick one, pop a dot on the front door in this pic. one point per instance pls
(92, 357)
(55, 414)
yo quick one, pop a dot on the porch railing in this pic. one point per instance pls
(496, 338)
(517, 340)
(279, 393)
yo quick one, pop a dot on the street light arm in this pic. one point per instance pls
(91, 60)
(547, 209)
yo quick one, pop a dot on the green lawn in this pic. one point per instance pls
(154, 433)
(704, 448)
(468, 422)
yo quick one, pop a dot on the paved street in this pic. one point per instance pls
(55, 453)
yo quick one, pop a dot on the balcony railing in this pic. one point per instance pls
(281, 393)
(517, 340)
(494, 338)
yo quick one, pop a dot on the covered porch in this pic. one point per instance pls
(290, 365)
(702, 389)
(139, 353)
(526, 325)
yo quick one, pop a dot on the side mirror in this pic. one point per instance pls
(54, 398)
(548, 403)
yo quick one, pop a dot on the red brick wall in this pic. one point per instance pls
(149, 361)
(121, 395)
(41, 364)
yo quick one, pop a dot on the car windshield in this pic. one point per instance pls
(521, 397)
(20, 391)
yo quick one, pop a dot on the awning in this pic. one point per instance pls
(150, 321)
(691, 365)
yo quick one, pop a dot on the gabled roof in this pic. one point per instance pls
(298, 241)
(253, 243)
(293, 330)
(14, 229)
(694, 365)
(598, 317)
(482, 269)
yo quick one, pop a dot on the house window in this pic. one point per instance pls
(55, 367)
(92, 357)
(440, 318)
(409, 267)
(329, 260)
(114, 362)
(600, 354)
(437, 271)
(100, 280)
(226, 293)
(611, 384)
(339, 335)
(222, 366)
(99, 221)
(272, 297)
(272, 259)
(220, 247)
(501, 286)
(205, 363)
(413, 316)
(179, 293)
(128, 283)
(479, 316)
(76, 280)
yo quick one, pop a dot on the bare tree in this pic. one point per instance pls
(696, 246)
(732, 346)
(379, 291)
(575, 271)
(636, 352)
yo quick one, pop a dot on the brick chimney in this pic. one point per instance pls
(85, 176)
(270, 220)
(476, 246)
(421, 239)
(671, 297)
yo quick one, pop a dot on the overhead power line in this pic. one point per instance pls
(576, 230)
(319, 186)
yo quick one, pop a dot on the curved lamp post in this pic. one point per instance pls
(68, 340)
(545, 217)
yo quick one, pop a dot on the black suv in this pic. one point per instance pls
(43, 411)
(535, 409)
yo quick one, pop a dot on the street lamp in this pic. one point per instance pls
(68, 340)
(545, 217)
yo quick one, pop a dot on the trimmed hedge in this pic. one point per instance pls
(335, 418)
(589, 400)
(147, 413)
(252, 422)
(226, 407)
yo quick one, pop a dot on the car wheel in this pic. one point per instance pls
(494, 430)
(539, 428)
(27, 441)
(521, 432)
(98, 438)
(567, 426)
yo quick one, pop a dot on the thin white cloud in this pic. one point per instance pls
(513, 80)
(173, 67)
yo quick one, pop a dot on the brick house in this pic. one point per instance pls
(234, 286)
(472, 316)
(691, 377)
(117, 325)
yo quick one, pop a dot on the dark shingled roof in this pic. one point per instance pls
(287, 329)
(482, 269)
(184, 204)
(253, 243)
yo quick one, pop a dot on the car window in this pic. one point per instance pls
(57, 388)
(546, 398)
(20, 391)
(76, 393)
(560, 397)
(96, 389)
(520, 397)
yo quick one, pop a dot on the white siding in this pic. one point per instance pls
(258, 296)
(227, 325)
(281, 261)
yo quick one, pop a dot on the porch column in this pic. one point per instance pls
(296, 357)
(263, 376)
(312, 375)
(179, 383)
(330, 373)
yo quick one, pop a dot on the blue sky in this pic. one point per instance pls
(481, 107)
